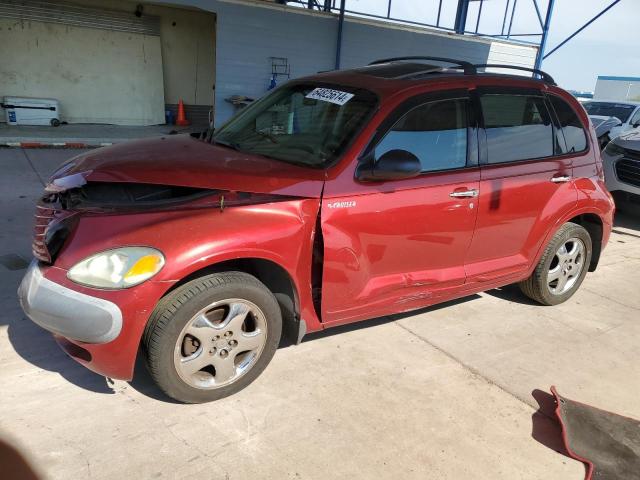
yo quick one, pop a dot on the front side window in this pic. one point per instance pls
(435, 132)
(635, 120)
(308, 125)
(621, 111)
(574, 136)
(518, 127)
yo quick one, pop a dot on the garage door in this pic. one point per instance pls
(104, 66)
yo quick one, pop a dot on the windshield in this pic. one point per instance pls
(609, 109)
(304, 124)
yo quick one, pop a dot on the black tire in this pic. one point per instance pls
(55, 122)
(536, 286)
(175, 310)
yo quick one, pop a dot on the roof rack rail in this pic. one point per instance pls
(468, 67)
(546, 78)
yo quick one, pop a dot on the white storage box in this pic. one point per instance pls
(31, 111)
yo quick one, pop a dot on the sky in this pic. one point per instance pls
(609, 46)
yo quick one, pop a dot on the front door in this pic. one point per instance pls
(401, 244)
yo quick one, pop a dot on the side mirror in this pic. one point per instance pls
(392, 165)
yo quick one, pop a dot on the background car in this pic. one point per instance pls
(603, 126)
(621, 159)
(626, 111)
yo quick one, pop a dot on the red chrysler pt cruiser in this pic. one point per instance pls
(335, 198)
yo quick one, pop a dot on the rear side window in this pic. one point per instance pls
(574, 136)
(435, 132)
(518, 127)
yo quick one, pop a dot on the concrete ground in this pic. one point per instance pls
(452, 392)
(89, 134)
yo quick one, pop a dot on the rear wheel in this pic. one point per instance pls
(562, 268)
(212, 337)
(55, 122)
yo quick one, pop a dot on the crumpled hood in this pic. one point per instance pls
(184, 161)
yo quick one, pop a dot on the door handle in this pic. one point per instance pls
(561, 179)
(464, 194)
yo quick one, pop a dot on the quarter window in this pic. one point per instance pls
(435, 132)
(574, 135)
(518, 127)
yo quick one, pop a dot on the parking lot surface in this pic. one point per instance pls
(449, 392)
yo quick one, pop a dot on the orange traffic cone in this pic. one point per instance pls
(182, 118)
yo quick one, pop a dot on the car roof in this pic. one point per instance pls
(394, 77)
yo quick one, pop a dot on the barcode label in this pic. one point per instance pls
(330, 95)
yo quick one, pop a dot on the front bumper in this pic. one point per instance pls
(614, 184)
(101, 329)
(68, 313)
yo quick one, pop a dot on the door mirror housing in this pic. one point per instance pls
(392, 165)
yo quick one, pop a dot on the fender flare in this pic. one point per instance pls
(303, 318)
(574, 212)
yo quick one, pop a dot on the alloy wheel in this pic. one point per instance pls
(566, 266)
(220, 343)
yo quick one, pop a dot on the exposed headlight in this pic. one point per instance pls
(613, 149)
(117, 268)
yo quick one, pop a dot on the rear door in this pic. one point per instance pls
(525, 180)
(398, 245)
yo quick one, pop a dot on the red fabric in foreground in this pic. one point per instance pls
(565, 440)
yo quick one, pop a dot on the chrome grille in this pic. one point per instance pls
(628, 168)
(44, 216)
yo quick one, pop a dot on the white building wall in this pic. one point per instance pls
(617, 88)
(127, 80)
(84, 68)
(106, 76)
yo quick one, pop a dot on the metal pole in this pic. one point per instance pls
(513, 11)
(545, 33)
(480, 13)
(439, 10)
(504, 19)
(461, 16)
(389, 9)
(339, 39)
(535, 4)
(582, 28)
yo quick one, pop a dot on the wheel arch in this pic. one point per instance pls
(593, 224)
(275, 277)
(592, 221)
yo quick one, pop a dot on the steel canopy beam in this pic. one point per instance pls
(545, 33)
(582, 28)
(461, 16)
(339, 38)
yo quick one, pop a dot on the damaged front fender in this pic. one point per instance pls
(193, 239)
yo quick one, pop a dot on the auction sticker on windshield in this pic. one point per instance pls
(330, 95)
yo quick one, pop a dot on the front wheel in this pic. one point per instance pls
(562, 268)
(212, 336)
